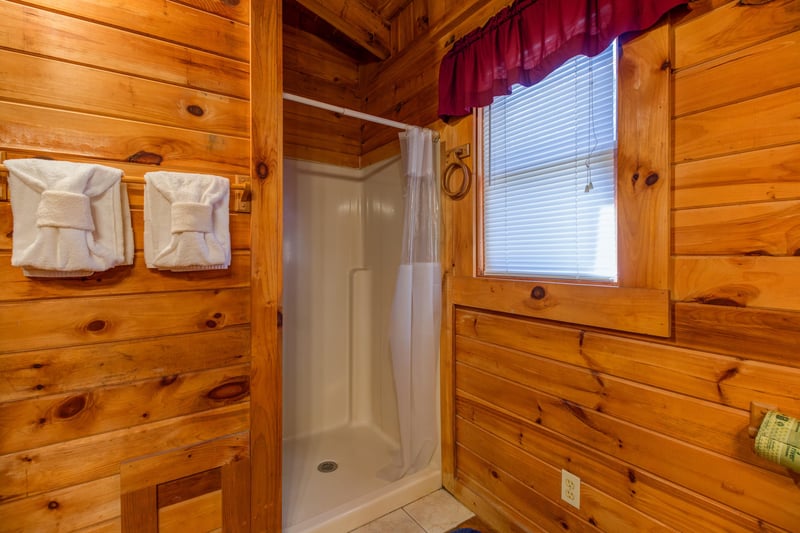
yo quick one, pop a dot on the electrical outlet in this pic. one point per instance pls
(571, 489)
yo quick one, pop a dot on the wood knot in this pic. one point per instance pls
(195, 110)
(146, 158)
(211, 323)
(538, 292)
(651, 179)
(71, 407)
(280, 319)
(665, 65)
(217, 315)
(96, 325)
(166, 381)
(52, 505)
(231, 2)
(232, 390)
(262, 170)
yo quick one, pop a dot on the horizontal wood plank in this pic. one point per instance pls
(88, 458)
(668, 503)
(41, 82)
(506, 487)
(770, 66)
(769, 120)
(765, 335)
(65, 322)
(747, 229)
(746, 487)
(741, 281)
(186, 488)
(722, 31)
(203, 513)
(306, 52)
(772, 174)
(45, 372)
(50, 419)
(76, 40)
(168, 466)
(711, 426)
(608, 510)
(717, 378)
(121, 280)
(34, 128)
(231, 9)
(109, 526)
(70, 509)
(634, 310)
(156, 18)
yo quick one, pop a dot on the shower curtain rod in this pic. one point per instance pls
(347, 112)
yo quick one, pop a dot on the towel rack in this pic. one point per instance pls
(240, 183)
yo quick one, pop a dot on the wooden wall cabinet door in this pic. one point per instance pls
(204, 487)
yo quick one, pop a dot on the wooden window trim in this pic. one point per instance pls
(640, 301)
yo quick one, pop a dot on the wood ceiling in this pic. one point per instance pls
(359, 28)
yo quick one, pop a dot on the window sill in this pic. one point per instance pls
(645, 311)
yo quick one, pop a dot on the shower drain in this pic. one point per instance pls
(326, 467)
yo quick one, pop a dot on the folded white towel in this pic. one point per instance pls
(186, 221)
(70, 219)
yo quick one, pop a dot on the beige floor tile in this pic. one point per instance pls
(438, 512)
(396, 522)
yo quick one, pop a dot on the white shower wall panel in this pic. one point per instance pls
(342, 229)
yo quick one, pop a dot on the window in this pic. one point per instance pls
(549, 175)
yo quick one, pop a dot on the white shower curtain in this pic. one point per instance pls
(416, 309)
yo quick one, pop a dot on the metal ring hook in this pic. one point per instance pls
(466, 181)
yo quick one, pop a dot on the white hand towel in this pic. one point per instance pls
(70, 219)
(186, 221)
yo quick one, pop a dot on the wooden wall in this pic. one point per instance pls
(313, 68)
(656, 428)
(117, 387)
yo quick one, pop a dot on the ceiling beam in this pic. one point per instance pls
(357, 21)
(390, 8)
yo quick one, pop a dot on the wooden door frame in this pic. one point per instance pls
(266, 228)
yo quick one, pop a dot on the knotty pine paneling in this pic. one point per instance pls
(74, 508)
(81, 41)
(314, 69)
(132, 362)
(657, 428)
(81, 460)
(39, 81)
(50, 419)
(38, 373)
(747, 177)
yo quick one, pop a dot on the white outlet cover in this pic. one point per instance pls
(571, 489)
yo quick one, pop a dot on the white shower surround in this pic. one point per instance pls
(342, 229)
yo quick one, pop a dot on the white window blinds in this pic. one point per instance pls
(549, 168)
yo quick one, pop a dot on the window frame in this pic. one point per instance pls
(639, 302)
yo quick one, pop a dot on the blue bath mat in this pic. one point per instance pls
(465, 530)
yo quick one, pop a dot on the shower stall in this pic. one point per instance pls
(342, 233)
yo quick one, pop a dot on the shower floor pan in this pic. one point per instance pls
(330, 481)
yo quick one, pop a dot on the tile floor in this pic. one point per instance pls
(438, 512)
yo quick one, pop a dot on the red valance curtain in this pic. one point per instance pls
(526, 41)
